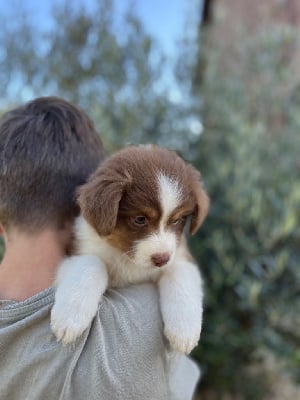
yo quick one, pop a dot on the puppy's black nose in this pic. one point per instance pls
(160, 259)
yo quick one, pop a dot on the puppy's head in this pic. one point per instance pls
(140, 200)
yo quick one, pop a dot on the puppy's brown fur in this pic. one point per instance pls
(125, 186)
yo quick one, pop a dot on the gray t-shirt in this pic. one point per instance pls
(121, 356)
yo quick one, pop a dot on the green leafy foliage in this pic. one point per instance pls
(249, 246)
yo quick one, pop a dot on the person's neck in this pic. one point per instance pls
(30, 263)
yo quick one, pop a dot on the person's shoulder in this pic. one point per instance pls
(137, 296)
(133, 312)
(126, 340)
(139, 301)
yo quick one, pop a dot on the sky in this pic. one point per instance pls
(165, 20)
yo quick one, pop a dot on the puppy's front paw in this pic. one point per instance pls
(181, 338)
(181, 304)
(71, 317)
(81, 282)
(182, 326)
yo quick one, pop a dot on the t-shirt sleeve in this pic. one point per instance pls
(128, 343)
(131, 353)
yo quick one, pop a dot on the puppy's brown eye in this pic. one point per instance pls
(140, 220)
(178, 221)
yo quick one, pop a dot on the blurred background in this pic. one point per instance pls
(218, 81)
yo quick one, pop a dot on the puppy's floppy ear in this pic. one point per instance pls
(99, 199)
(201, 198)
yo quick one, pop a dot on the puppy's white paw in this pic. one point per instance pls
(80, 284)
(71, 317)
(182, 334)
(181, 342)
(181, 295)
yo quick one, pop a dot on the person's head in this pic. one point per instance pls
(48, 147)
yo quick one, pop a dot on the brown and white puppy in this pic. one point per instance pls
(134, 209)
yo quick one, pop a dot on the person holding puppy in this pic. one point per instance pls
(48, 147)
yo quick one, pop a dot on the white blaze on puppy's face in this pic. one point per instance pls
(158, 249)
(169, 195)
